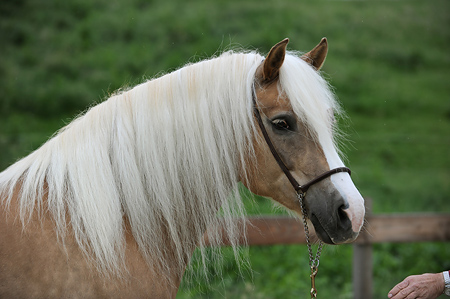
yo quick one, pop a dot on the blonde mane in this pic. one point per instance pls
(165, 156)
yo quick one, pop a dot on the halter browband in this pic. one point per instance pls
(298, 188)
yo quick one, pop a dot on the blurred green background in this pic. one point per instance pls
(388, 61)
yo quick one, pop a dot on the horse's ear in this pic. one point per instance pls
(316, 57)
(274, 61)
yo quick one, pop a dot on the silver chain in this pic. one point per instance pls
(313, 260)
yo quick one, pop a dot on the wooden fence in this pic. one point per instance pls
(386, 228)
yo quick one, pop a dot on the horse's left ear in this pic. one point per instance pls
(274, 61)
(316, 57)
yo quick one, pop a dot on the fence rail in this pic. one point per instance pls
(392, 228)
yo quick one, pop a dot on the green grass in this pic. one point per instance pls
(388, 62)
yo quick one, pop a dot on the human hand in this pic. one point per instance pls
(425, 286)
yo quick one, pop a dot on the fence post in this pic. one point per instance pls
(362, 261)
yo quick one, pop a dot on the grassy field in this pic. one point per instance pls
(388, 62)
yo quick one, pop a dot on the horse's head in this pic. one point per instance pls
(297, 113)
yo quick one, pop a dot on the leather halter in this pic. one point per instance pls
(298, 188)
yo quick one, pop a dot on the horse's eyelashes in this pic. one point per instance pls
(281, 124)
(284, 123)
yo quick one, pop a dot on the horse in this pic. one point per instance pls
(116, 202)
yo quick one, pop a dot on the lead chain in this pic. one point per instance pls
(313, 260)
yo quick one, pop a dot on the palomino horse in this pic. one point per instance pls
(115, 203)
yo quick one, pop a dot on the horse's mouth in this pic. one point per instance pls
(320, 230)
(333, 238)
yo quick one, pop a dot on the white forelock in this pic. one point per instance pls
(311, 98)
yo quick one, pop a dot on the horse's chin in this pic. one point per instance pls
(320, 231)
(327, 238)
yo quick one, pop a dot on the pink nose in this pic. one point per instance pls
(356, 220)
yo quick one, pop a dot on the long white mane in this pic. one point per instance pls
(164, 156)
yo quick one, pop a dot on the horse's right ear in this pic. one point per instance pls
(274, 61)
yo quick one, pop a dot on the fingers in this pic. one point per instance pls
(400, 290)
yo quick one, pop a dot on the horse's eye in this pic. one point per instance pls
(281, 124)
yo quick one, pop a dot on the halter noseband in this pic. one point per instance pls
(300, 189)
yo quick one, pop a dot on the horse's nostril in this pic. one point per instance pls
(344, 220)
(341, 211)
